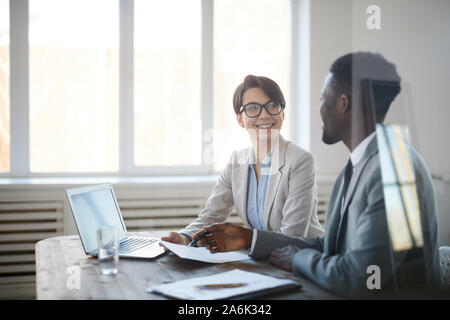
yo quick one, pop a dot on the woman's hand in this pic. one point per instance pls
(177, 238)
(226, 237)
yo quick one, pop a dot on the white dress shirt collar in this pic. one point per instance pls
(359, 151)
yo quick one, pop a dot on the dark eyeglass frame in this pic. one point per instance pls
(261, 106)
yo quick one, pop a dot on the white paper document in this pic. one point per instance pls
(203, 254)
(235, 283)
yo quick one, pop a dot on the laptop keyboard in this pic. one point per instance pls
(132, 244)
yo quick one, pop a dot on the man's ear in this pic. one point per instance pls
(240, 120)
(344, 101)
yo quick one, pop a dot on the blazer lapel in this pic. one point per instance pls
(277, 162)
(372, 149)
(334, 216)
(240, 187)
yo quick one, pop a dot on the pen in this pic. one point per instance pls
(221, 286)
(193, 243)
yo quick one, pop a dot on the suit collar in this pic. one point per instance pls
(240, 189)
(372, 148)
(334, 217)
(358, 153)
(281, 147)
(240, 173)
(275, 174)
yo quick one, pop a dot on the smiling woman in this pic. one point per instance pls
(259, 106)
(272, 184)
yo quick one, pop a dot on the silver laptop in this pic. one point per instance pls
(96, 206)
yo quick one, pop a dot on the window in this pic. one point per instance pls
(167, 82)
(73, 86)
(256, 42)
(4, 86)
(131, 87)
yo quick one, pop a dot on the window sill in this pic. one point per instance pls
(119, 182)
(50, 182)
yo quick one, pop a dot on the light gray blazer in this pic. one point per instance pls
(291, 198)
(339, 260)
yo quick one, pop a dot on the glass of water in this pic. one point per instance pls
(108, 249)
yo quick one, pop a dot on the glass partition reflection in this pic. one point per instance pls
(411, 257)
(400, 191)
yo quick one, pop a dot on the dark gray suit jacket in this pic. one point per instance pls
(339, 260)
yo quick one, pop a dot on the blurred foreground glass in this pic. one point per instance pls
(250, 37)
(400, 192)
(4, 86)
(108, 249)
(167, 82)
(74, 85)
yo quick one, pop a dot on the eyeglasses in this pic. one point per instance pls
(253, 109)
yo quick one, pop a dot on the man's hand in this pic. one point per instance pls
(282, 258)
(177, 238)
(226, 237)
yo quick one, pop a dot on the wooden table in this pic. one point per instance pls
(59, 258)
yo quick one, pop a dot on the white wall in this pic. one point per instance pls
(415, 35)
(330, 28)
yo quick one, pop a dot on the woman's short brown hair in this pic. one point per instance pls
(268, 86)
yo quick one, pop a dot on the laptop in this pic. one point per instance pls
(95, 207)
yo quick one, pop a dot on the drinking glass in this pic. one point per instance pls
(108, 249)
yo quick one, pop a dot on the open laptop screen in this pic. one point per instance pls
(94, 209)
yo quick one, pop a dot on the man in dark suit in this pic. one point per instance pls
(356, 236)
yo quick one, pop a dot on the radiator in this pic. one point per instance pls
(163, 213)
(22, 224)
(323, 195)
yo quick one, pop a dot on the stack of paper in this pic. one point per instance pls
(235, 283)
(203, 254)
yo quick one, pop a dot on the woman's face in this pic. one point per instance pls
(264, 125)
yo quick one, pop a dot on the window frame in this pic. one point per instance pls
(19, 91)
